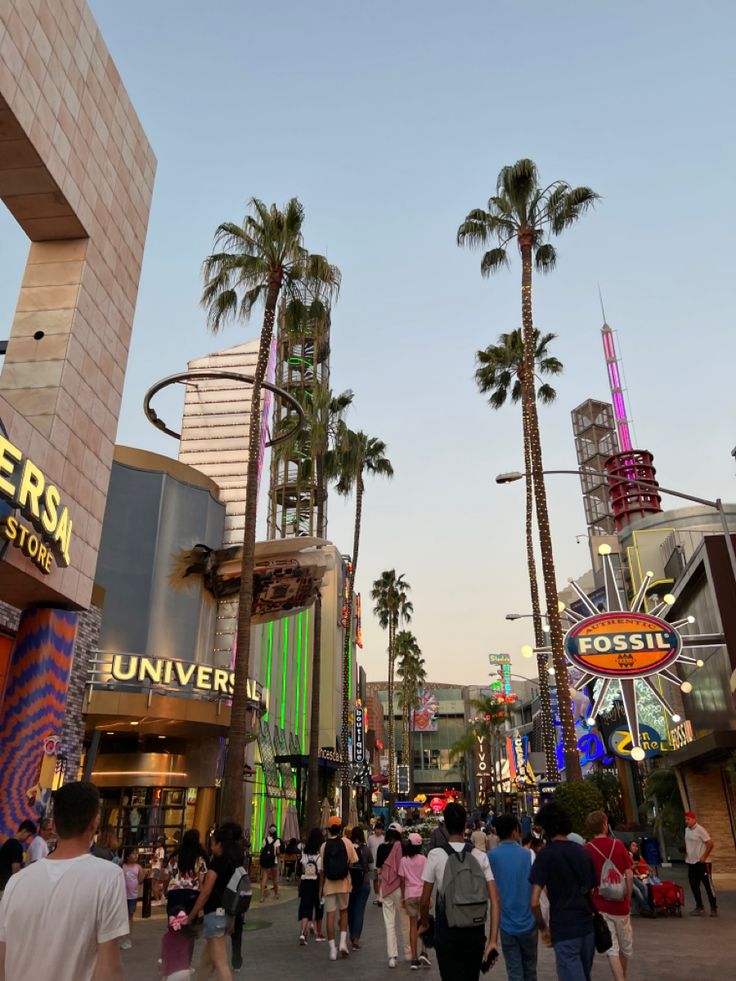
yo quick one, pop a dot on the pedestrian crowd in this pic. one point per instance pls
(473, 894)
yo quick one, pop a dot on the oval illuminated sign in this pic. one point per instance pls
(622, 645)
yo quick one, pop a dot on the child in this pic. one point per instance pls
(134, 875)
(410, 879)
(176, 948)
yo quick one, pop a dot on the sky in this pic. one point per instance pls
(390, 121)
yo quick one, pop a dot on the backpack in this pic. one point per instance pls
(268, 854)
(357, 871)
(335, 861)
(464, 895)
(237, 894)
(612, 886)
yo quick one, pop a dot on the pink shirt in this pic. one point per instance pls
(410, 870)
(131, 880)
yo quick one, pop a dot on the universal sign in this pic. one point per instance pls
(26, 488)
(180, 674)
(622, 645)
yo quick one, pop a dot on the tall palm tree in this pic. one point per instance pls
(500, 373)
(255, 263)
(524, 211)
(323, 412)
(390, 593)
(356, 454)
(411, 670)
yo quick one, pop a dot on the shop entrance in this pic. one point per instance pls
(140, 815)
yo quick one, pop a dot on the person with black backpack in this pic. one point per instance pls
(269, 862)
(462, 882)
(337, 856)
(361, 887)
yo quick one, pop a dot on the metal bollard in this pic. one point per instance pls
(146, 901)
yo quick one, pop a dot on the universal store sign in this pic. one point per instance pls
(26, 489)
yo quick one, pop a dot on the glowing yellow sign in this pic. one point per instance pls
(181, 674)
(25, 487)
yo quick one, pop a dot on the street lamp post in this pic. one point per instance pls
(717, 505)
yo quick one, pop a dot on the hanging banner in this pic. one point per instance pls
(424, 718)
(358, 622)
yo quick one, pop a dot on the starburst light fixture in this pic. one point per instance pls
(624, 644)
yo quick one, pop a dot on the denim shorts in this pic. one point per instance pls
(131, 906)
(217, 925)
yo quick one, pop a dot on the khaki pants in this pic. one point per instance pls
(392, 906)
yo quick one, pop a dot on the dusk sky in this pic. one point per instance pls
(390, 121)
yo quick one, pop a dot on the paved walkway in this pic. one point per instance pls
(669, 949)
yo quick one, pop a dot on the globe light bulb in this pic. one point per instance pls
(527, 651)
(637, 753)
(686, 687)
(604, 549)
(669, 599)
(551, 672)
(699, 663)
(676, 718)
(590, 720)
(691, 619)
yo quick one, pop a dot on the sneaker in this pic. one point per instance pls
(424, 959)
(392, 962)
(698, 911)
(344, 952)
(414, 966)
(714, 912)
(126, 943)
(355, 944)
(333, 953)
(310, 929)
(319, 939)
(302, 940)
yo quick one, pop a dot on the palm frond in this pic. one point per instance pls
(571, 206)
(492, 261)
(546, 394)
(545, 258)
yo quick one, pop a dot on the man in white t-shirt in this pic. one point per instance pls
(460, 950)
(698, 846)
(63, 916)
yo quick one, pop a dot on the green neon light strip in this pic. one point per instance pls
(350, 668)
(304, 687)
(268, 668)
(299, 631)
(278, 814)
(283, 672)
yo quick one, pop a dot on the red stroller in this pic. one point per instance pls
(667, 899)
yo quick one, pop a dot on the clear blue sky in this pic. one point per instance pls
(390, 120)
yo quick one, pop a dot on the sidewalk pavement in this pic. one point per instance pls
(665, 948)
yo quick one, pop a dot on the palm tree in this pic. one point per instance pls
(490, 715)
(500, 373)
(524, 211)
(323, 414)
(393, 607)
(356, 454)
(411, 670)
(256, 262)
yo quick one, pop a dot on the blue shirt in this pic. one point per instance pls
(511, 865)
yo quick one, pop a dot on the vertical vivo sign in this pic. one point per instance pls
(359, 744)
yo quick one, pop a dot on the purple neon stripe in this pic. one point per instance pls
(624, 436)
(608, 345)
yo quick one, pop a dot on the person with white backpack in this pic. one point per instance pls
(614, 868)
(461, 880)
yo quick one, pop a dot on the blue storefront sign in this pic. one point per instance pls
(620, 742)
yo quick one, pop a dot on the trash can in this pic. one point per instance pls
(650, 851)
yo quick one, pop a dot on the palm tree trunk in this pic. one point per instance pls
(548, 728)
(391, 754)
(347, 695)
(531, 424)
(313, 795)
(232, 806)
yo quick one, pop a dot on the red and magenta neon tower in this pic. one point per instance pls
(629, 501)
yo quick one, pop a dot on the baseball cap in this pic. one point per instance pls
(334, 822)
(415, 839)
(691, 814)
(395, 826)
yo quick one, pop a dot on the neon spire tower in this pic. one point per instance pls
(613, 367)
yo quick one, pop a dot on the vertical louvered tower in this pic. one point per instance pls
(302, 363)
